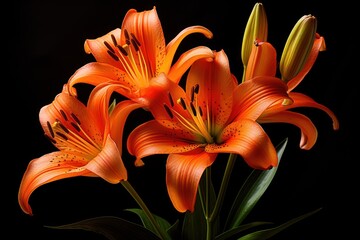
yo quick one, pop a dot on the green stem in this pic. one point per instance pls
(223, 187)
(140, 202)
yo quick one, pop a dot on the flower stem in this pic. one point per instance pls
(223, 187)
(141, 203)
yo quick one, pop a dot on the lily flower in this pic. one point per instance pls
(213, 115)
(135, 54)
(83, 136)
(263, 62)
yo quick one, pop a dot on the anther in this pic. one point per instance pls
(200, 111)
(135, 39)
(50, 129)
(170, 99)
(63, 114)
(63, 136)
(196, 88)
(63, 127)
(76, 126)
(122, 50)
(113, 55)
(192, 93)
(181, 101)
(135, 45)
(75, 118)
(127, 38)
(168, 111)
(109, 47)
(114, 40)
(193, 108)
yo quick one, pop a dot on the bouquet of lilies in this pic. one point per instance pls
(213, 113)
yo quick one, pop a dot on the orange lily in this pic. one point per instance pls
(263, 62)
(135, 54)
(214, 115)
(82, 135)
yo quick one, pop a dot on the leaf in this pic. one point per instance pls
(234, 231)
(267, 233)
(113, 228)
(251, 191)
(164, 224)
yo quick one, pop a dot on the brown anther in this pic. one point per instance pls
(171, 99)
(181, 101)
(168, 111)
(50, 129)
(113, 55)
(50, 139)
(135, 45)
(109, 46)
(135, 39)
(75, 118)
(75, 126)
(63, 127)
(122, 50)
(193, 108)
(127, 38)
(114, 40)
(63, 136)
(63, 114)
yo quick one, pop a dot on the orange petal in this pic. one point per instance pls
(262, 61)
(248, 139)
(183, 173)
(49, 168)
(172, 46)
(252, 97)
(97, 48)
(308, 130)
(186, 59)
(153, 138)
(108, 163)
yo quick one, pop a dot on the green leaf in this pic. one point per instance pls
(251, 191)
(164, 224)
(234, 231)
(267, 233)
(113, 228)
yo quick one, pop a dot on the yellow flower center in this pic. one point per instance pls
(72, 138)
(198, 123)
(132, 58)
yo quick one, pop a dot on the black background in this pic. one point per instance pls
(44, 46)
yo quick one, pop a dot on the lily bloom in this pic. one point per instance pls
(263, 62)
(214, 115)
(134, 55)
(82, 135)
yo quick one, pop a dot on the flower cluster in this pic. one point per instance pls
(212, 113)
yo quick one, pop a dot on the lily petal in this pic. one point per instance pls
(252, 97)
(153, 138)
(248, 139)
(173, 45)
(183, 173)
(309, 132)
(49, 168)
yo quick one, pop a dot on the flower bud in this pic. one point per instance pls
(256, 29)
(298, 47)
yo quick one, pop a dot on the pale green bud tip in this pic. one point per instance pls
(256, 28)
(298, 47)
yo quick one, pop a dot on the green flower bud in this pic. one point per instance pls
(256, 29)
(298, 47)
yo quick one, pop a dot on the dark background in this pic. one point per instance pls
(44, 46)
